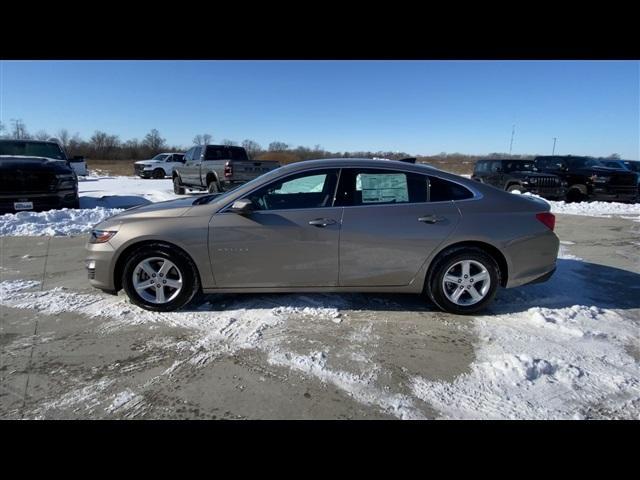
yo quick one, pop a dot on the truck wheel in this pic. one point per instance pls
(178, 189)
(513, 188)
(159, 278)
(213, 187)
(158, 173)
(575, 195)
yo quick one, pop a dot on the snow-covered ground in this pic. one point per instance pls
(102, 196)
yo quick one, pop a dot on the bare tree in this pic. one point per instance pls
(614, 156)
(19, 131)
(278, 147)
(197, 140)
(63, 136)
(2, 129)
(42, 135)
(251, 147)
(228, 142)
(206, 138)
(153, 140)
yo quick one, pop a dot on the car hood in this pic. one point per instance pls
(168, 209)
(605, 171)
(148, 162)
(24, 163)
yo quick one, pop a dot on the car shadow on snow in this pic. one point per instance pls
(575, 282)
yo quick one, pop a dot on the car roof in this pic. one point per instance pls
(358, 162)
(27, 140)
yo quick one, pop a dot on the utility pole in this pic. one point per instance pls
(513, 131)
(554, 146)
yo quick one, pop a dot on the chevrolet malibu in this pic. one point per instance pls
(335, 225)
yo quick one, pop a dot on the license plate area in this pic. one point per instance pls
(23, 206)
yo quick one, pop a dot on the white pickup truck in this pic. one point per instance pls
(217, 168)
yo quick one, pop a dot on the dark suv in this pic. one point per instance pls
(512, 175)
(35, 175)
(588, 179)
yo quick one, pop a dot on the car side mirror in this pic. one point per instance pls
(242, 207)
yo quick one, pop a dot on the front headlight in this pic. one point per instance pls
(599, 179)
(101, 236)
(66, 182)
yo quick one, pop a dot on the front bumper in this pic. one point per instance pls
(99, 263)
(41, 201)
(547, 192)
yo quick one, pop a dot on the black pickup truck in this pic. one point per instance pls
(36, 175)
(521, 175)
(588, 179)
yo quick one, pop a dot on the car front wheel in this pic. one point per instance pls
(158, 173)
(178, 189)
(160, 278)
(464, 281)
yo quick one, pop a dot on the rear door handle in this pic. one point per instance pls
(322, 222)
(430, 219)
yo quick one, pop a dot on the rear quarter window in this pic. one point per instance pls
(443, 190)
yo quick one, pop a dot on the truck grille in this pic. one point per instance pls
(623, 180)
(137, 169)
(20, 181)
(548, 182)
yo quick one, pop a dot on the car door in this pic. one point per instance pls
(290, 239)
(191, 170)
(389, 226)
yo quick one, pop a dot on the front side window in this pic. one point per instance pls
(161, 157)
(300, 191)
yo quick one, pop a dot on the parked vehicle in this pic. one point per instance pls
(79, 165)
(35, 175)
(587, 179)
(217, 168)
(519, 175)
(160, 166)
(336, 225)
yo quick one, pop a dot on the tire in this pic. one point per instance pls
(451, 262)
(575, 195)
(213, 187)
(514, 187)
(180, 267)
(178, 189)
(158, 173)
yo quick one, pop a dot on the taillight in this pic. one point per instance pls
(549, 219)
(228, 170)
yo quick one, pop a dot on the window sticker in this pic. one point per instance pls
(383, 188)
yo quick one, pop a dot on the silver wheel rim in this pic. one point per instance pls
(157, 280)
(466, 282)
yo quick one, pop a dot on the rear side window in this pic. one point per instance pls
(216, 153)
(238, 154)
(496, 167)
(443, 190)
(482, 167)
(380, 187)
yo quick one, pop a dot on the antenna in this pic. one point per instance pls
(554, 146)
(513, 132)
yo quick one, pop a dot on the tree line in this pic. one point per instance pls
(104, 146)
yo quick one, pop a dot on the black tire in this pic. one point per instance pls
(189, 272)
(213, 186)
(514, 187)
(178, 189)
(158, 173)
(575, 195)
(434, 285)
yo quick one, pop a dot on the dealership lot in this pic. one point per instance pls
(564, 349)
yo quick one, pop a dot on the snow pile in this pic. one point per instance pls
(54, 222)
(591, 209)
(545, 364)
(123, 192)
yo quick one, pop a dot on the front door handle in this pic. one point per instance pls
(430, 219)
(322, 222)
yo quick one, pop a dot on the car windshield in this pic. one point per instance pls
(160, 156)
(32, 149)
(633, 166)
(519, 167)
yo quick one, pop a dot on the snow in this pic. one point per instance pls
(100, 198)
(592, 209)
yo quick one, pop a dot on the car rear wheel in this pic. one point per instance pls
(464, 281)
(178, 189)
(158, 173)
(160, 278)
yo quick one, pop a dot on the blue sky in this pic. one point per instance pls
(420, 107)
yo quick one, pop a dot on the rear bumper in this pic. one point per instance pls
(532, 259)
(543, 278)
(41, 201)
